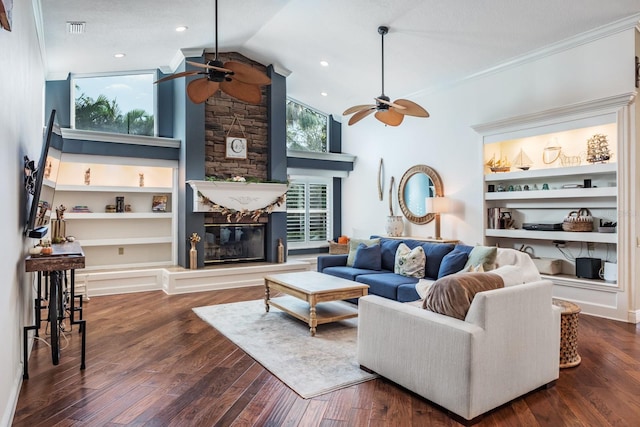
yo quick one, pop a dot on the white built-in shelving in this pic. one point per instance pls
(136, 238)
(559, 181)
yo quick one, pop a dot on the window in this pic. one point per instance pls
(308, 212)
(119, 104)
(306, 128)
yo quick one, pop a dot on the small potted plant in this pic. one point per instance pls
(46, 247)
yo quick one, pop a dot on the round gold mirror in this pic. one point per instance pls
(418, 183)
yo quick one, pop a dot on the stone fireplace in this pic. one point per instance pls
(263, 159)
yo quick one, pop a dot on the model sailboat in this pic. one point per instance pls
(522, 161)
(499, 165)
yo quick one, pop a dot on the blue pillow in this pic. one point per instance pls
(367, 257)
(452, 262)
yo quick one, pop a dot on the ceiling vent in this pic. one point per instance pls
(75, 27)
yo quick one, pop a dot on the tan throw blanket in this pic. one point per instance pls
(452, 295)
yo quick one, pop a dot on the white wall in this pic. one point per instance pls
(590, 70)
(21, 121)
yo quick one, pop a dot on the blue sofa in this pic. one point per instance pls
(385, 282)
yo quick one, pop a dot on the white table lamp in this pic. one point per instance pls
(436, 206)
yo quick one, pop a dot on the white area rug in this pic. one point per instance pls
(310, 366)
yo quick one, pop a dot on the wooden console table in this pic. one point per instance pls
(65, 256)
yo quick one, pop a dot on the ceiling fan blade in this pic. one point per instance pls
(389, 117)
(391, 104)
(247, 74)
(360, 115)
(356, 108)
(201, 89)
(411, 108)
(175, 76)
(242, 91)
(208, 67)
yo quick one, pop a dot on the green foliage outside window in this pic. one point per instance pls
(103, 114)
(306, 128)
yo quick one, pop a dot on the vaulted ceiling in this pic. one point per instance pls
(431, 43)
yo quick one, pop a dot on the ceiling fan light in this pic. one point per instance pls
(324, 63)
(389, 113)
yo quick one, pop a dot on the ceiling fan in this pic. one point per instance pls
(389, 113)
(234, 78)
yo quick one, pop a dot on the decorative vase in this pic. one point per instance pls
(395, 226)
(280, 252)
(193, 256)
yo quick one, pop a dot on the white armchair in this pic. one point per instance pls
(507, 346)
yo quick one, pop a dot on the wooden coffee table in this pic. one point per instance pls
(314, 298)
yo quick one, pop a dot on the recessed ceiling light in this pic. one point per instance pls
(324, 63)
(324, 93)
(181, 28)
(119, 55)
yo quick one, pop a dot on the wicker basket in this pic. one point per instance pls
(338, 248)
(580, 220)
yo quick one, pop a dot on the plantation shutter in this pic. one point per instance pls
(317, 212)
(308, 212)
(296, 212)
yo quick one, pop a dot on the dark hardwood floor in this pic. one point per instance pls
(152, 362)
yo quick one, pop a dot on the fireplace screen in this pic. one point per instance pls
(224, 243)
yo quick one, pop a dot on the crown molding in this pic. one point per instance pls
(608, 104)
(37, 15)
(624, 24)
(570, 43)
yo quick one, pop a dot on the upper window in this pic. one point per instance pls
(306, 128)
(119, 104)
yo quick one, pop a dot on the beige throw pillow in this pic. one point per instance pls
(485, 255)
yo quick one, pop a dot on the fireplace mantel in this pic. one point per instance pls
(240, 196)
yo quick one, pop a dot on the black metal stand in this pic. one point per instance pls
(54, 279)
(65, 257)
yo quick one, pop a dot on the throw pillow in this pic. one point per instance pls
(367, 257)
(452, 262)
(485, 255)
(471, 269)
(353, 247)
(511, 275)
(452, 295)
(410, 262)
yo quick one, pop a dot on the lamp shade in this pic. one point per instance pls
(436, 204)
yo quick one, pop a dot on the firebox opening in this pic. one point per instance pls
(227, 243)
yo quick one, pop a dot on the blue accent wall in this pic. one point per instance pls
(98, 148)
(335, 136)
(188, 126)
(58, 97)
(164, 107)
(277, 156)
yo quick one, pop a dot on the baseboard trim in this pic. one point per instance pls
(12, 403)
(178, 280)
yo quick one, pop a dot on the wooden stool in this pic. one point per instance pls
(569, 356)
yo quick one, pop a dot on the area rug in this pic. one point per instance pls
(310, 366)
